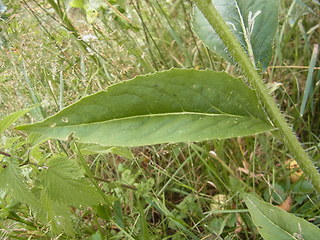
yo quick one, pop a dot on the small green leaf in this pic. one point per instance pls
(89, 149)
(103, 211)
(274, 223)
(122, 151)
(178, 105)
(12, 182)
(96, 236)
(91, 7)
(63, 181)
(77, 3)
(59, 216)
(254, 24)
(7, 121)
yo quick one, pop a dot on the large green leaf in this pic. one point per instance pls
(172, 106)
(274, 223)
(254, 23)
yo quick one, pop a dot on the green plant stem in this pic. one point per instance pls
(238, 53)
(95, 184)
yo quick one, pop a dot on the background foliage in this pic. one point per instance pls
(54, 55)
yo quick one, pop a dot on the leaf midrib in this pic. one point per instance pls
(155, 115)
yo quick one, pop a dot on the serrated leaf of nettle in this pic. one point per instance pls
(59, 216)
(12, 182)
(179, 105)
(254, 23)
(63, 182)
(274, 223)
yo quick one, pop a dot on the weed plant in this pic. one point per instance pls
(55, 55)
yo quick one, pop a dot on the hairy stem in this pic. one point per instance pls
(289, 138)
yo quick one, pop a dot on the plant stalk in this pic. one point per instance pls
(95, 184)
(238, 53)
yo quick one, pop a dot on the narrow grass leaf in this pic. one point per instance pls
(274, 223)
(178, 223)
(308, 90)
(145, 234)
(118, 214)
(254, 23)
(178, 105)
(8, 120)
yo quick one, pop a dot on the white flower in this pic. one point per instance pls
(3, 8)
(89, 37)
